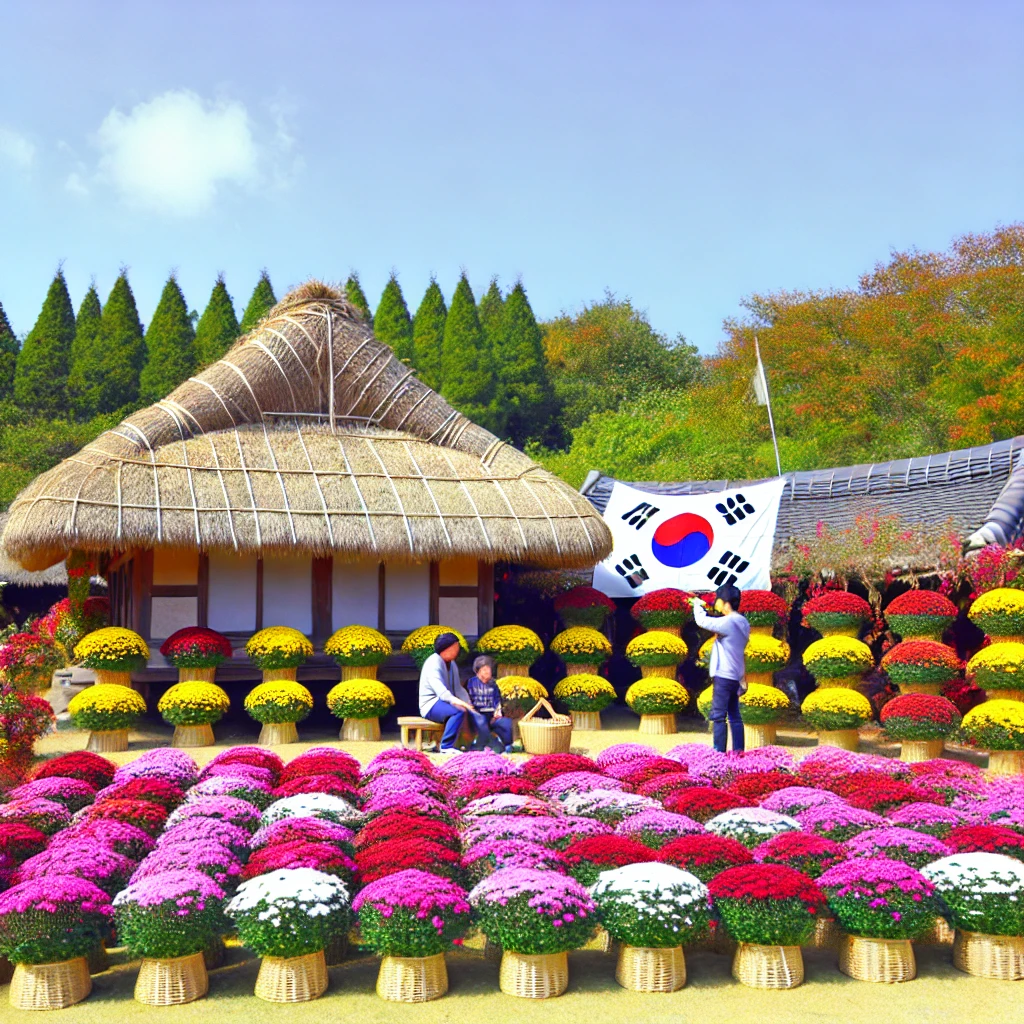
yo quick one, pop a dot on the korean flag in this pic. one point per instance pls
(692, 542)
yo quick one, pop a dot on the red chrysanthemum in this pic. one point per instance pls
(18, 842)
(767, 882)
(665, 607)
(672, 782)
(541, 767)
(196, 647)
(837, 602)
(607, 851)
(702, 802)
(330, 784)
(148, 816)
(636, 773)
(394, 855)
(82, 764)
(491, 785)
(326, 857)
(880, 793)
(320, 762)
(922, 602)
(153, 790)
(803, 851)
(986, 839)
(704, 855)
(401, 826)
(756, 785)
(583, 597)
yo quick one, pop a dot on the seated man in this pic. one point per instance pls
(486, 698)
(443, 699)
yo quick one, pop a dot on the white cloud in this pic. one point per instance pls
(15, 149)
(174, 153)
(75, 184)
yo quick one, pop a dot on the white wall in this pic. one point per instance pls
(288, 592)
(232, 593)
(169, 614)
(354, 601)
(406, 597)
(460, 613)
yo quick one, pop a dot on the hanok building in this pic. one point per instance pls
(307, 479)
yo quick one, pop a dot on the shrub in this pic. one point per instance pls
(419, 644)
(836, 657)
(655, 828)
(995, 725)
(82, 764)
(665, 607)
(541, 767)
(704, 855)
(47, 816)
(18, 842)
(221, 808)
(656, 647)
(657, 696)
(767, 904)
(489, 855)
(194, 703)
(581, 645)
(153, 790)
(313, 805)
(358, 646)
(763, 608)
(607, 805)
(514, 645)
(702, 802)
(836, 708)
(920, 613)
(583, 606)
(327, 857)
(802, 851)
(120, 836)
(106, 706)
(208, 857)
(895, 843)
(278, 647)
(921, 661)
(360, 698)
(920, 716)
(751, 826)
(999, 612)
(112, 649)
(279, 700)
(836, 609)
(520, 693)
(589, 856)
(395, 855)
(999, 666)
(74, 794)
(86, 858)
(986, 839)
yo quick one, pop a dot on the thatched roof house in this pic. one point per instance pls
(307, 478)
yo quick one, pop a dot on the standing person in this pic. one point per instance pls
(443, 699)
(727, 665)
(486, 698)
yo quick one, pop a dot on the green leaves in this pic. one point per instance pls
(428, 335)
(392, 323)
(217, 328)
(170, 346)
(261, 302)
(111, 369)
(41, 371)
(354, 294)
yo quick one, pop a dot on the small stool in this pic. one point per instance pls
(417, 727)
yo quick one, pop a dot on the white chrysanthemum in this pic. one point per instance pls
(585, 804)
(313, 891)
(976, 873)
(637, 883)
(312, 805)
(744, 821)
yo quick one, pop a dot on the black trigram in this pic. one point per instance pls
(728, 568)
(632, 571)
(735, 510)
(640, 515)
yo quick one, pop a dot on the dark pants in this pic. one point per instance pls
(725, 704)
(453, 717)
(500, 727)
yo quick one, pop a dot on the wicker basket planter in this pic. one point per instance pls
(50, 986)
(1010, 638)
(882, 960)
(505, 668)
(999, 957)
(762, 630)
(296, 979)
(412, 979)
(643, 969)
(934, 689)
(1005, 695)
(280, 673)
(1006, 762)
(759, 735)
(573, 668)
(658, 725)
(108, 741)
(104, 675)
(845, 739)
(586, 721)
(839, 682)
(913, 751)
(545, 735)
(826, 934)
(533, 976)
(360, 729)
(275, 733)
(658, 671)
(172, 982)
(851, 631)
(193, 736)
(349, 672)
(774, 967)
(198, 675)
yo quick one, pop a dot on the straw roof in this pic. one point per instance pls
(308, 435)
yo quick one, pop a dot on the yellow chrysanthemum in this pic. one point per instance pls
(358, 645)
(106, 706)
(279, 700)
(995, 725)
(584, 692)
(113, 649)
(194, 702)
(278, 647)
(515, 645)
(762, 653)
(520, 692)
(760, 705)
(657, 696)
(835, 656)
(360, 698)
(1000, 612)
(656, 647)
(836, 708)
(581, 645)
(419, 644)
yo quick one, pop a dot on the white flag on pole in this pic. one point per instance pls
(760, 383)
(689, 541)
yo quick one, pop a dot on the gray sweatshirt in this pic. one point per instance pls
(439, 680)
(733, 631)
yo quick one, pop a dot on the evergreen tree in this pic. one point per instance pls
(428, 336)
(41, 369)
(523, 383)
(492, 316)
(217, 328)
(262, 302)
(8, 356)
(392, 323)
(354, 294)
(85, 354)
(114, 378)
(170, 346)
(466, 372)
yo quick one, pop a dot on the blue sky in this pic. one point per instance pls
(683, 154)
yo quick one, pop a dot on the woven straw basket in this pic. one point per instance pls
(273, 734)
(1011, 638)
(1005, 695)
(674, 630)
(642, 969)
(933, 689)
(884, 960)
(192, 736)
(999, 957)
(1006, 762)
(504, 668)
(838, 683)
(773, 967)
(197, 675)
(852, 631)
(576, 669)
(586, 721)
(533, 976)
(845, 739)
(272, 674)
(826, 934)
(349, 672)
(913, 751)
(545, 735)
(296, 979)
(658, 671)
(759, 735)
(658, 725)
(6, 970)
(172, 982)
(361, 729)
(412, 979)
(98, 959)
(50, 986)
(761, 631)
(104, 675)
(108, 741)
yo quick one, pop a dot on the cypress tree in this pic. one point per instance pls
(86, 354)
(523, 382)
(392, 323)
(217, 328)
(354, 294)
(170, 346)
(466, 373)
(41, 368)
(262, 302)
(428, 336)
(8, 356)
(492, 315)
(114, 379)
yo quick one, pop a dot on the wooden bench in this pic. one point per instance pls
(417, 727)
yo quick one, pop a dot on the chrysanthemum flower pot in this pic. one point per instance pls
(586, 721)
(838, 682)
(193, 735)
(506, 668)
(360, 729)
(845, 739)
(275, 733)
(939, 935)
(882, 960)
(759, 735)
(826, 934)
(172, 981)
(913, 751)
(773, 967)
(533, 976)
(658, 671)
(50, 986)
(999, 957)
(349, 672)
(108, 741)
(296, 979)
(412, 979)
(1005, 695)
(197, 675)
(273, 674)
(574, 668)
(105, 675)
(1006, 762)
(213, 955)
(674, 630)
(645, 969)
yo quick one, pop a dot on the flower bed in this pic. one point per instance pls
(767, 904)
(986, 839)
(583, 606)
(511, 645)
(581, 645)
(81, 764)
(704, 855)
(980, 892)
(763, 609)
(999, 666)
(836, 610)
(999, 612)
(921, 663)
(105, 707)
(920, 716)
(358, 646)
(278, 700)
(419, 644)
(660, 608)
(194, 703)
(838, 657)
(835, 708)
(196, 647)
(920, 614)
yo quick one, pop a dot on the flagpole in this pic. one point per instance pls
(768, 403)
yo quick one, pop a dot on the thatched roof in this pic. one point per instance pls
(308, 435)
(12, 573)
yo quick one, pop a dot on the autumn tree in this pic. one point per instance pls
(41, 367)
(217, 328)
(85, 354)
(170, 345)
(392, 323)
(428, 335)
(260, 304)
